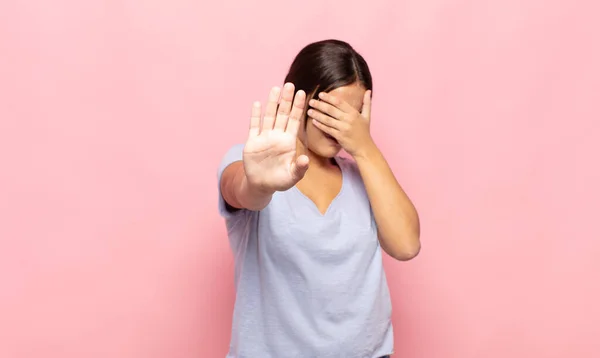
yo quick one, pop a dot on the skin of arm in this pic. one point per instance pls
(269, 162)
(238, 193)
(396, 217)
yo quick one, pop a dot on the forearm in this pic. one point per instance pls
(246, 195)
(396, 217)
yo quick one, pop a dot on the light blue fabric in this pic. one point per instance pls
(308, 285)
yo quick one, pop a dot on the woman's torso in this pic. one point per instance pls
(310, 284)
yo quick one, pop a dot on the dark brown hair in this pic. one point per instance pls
(326, 65)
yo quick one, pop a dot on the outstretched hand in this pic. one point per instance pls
(269, 156)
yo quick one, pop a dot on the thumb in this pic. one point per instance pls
(299, 167)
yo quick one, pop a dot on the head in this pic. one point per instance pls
(331, 66)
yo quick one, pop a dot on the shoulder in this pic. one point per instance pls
(351, 172)
(348, 166)
(234, 153)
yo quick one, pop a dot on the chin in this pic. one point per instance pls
(327, 149)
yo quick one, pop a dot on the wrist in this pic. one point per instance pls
(366, 151)
(256, 189)
(254, 196)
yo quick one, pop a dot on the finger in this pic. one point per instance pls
(336, 102)
(255, 120)
(299, 167)
(324, 119)
(285, 106)
(295, 117)
(271, 109)
(366, 108)
(326, 108)
(327, 129)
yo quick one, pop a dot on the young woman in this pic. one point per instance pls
(307, 226)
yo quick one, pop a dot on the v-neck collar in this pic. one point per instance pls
(335, 199)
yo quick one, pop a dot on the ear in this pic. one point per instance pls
(366, 107)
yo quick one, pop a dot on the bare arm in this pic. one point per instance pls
(396, 217)
(269, 161)
(238, 193)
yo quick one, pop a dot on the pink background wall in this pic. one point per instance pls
(114, 115)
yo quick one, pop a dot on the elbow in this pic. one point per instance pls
(405, 248)
(406, 253)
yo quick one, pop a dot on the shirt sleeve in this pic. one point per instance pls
(234, 154)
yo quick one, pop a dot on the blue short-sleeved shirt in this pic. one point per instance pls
(308, 285)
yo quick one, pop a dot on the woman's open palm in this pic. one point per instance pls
(269, 156)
